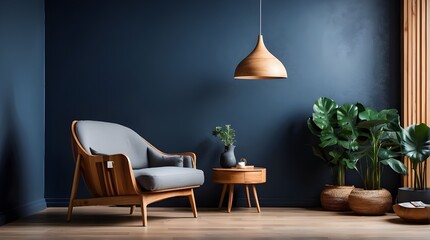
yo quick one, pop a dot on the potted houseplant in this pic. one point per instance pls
(415, 145)
(378, 146)
(227, 135)
(334, 127)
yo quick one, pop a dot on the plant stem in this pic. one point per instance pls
(360, 173)
(341, 175)
(425, 175)
(374, 175)
(418, 176)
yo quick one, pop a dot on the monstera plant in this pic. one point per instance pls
(334, 126)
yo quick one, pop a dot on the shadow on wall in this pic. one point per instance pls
(296, 162)
(11, 188)
(210, 192)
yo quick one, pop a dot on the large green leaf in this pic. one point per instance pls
(347, 116)
(349, 144)
(415, 142)
(336, 155)
(328, 137)
(389, 136)
(321, 153)
(388, 113)
(331, 157)
(371, 119)
(349, 162)
(364, 150)
(396, 165)
(393, 119)
(370, 123)
(369, 114)
(313, 128)
(387, 153)
(344, 143)
(324, 114)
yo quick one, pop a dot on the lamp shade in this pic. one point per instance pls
(260, 64)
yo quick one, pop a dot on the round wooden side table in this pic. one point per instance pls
(246, 176)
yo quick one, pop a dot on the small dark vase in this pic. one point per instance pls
(227, 159)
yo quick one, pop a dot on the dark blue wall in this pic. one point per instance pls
(22, 108)
(165, 69)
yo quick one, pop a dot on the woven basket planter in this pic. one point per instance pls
(370, 202)
(335, 198)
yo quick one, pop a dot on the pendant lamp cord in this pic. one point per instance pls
(260, 17)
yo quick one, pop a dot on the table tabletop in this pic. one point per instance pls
(233, 169)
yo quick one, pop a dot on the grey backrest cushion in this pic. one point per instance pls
(112, 138)
(188, 162)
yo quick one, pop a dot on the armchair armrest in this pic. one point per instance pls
(109, 175)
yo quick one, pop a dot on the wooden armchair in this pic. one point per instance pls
(121, 168)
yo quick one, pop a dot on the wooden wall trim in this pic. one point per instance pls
(415, 68)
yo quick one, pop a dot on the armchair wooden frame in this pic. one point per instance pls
(117, 185)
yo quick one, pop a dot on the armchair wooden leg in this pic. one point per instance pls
(69, 211)
(132, 209)
(144, 212)
(193, 203)
(74, 188)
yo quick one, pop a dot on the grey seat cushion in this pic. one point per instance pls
(160, 178)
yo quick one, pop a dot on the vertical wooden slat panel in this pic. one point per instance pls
(405, 70)
(417, 51)
(409, 62)
(427, 69)
(415, 70)
(409, 112)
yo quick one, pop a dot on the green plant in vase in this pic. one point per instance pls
(378, 146)
(335, 128)
(415, 145)
(227, 135)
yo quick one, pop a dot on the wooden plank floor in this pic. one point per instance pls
(241, 223)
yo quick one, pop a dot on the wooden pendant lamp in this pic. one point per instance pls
(260, 63)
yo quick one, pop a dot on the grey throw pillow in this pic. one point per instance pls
(156, 159)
